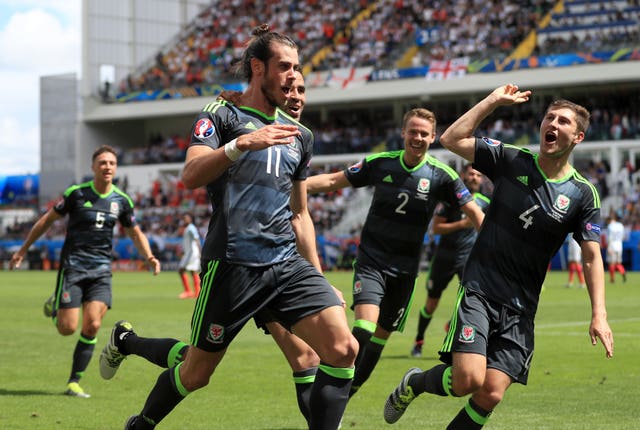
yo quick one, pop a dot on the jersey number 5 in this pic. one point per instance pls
(100, 217)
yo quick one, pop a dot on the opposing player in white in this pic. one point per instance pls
(574, 262)
(615, 237)
(190, 261)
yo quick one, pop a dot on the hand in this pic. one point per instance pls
(509, 94)
(16, 260)
(270, 135)
(600, 329)
(154, 264)
(340, 296)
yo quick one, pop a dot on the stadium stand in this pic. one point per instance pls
(591, 26)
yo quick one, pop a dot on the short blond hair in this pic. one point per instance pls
(420, 113)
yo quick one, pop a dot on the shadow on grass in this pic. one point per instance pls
(4, 392)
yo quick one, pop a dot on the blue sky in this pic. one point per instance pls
(37, 38)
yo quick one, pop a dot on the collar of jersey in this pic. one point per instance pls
(414, 168)
(563, 179)
(259, 113)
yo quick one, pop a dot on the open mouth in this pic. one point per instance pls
(293, 107)
(550, 137)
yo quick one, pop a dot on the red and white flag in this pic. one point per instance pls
(349, 77)
(454, 68)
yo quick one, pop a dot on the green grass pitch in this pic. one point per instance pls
(572, 385)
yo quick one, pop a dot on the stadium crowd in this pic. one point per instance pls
(338, 33)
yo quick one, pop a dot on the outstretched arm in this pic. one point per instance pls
(594, 277)
(327, 182)
(458, 137)
(474, 213)
(38, 229)
(441, 226)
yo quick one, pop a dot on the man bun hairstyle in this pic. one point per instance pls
(259, 47)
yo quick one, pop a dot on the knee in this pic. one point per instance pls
(65, 329)
(193, 381)
(343, 353)
(488, 398)
(92, 327)
(305, 360)
(463, 384)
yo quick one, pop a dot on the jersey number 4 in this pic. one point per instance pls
(526, 218)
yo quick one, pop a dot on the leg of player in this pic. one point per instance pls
(303, 360)
(369, 358)
(327, 332)
(92, 314)
(424, 319)
(163, 352)
(174, 384)
(187, 293)
(364, 327)
(481, 404)
(464, 376)
(442, 271)
(195, 276)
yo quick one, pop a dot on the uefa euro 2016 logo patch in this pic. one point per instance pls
(356, 167)
(204, 128)
(491, 142)
(467, 334)
(593, 227)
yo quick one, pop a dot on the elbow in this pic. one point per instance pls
(446, 139)
(189, 179)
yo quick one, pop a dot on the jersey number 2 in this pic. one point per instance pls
(405, 199)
